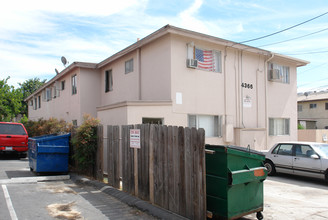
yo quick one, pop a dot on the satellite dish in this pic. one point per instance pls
(64, 61)
(56, 71)
(306, 94)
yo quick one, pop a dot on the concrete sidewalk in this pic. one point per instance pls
(123, 197)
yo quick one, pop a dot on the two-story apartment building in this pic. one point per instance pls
(313, 110)
(240, 95)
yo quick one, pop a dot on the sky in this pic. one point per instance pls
(35, 34)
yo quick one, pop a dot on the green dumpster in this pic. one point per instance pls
(234, 181)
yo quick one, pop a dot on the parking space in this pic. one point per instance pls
(285, 197)
(293, 197)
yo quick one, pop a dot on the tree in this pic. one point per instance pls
(10, 101)
(27, 88)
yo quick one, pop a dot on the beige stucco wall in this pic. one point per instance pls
(282, 103)
(71, 107)
(318, 114)
(313, 135)
(156, 70)
(89, 90)
(66, 106)
(125, 86)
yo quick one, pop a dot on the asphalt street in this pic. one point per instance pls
(23, 195)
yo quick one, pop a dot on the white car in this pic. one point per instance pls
(298, 158)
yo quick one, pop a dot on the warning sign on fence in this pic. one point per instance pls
(135, 138)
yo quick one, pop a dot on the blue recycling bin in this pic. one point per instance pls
(49, 153)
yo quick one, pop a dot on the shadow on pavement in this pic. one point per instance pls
(11, 157)
(20, 173)
(299, 180)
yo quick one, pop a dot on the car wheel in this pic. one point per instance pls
(270, 167)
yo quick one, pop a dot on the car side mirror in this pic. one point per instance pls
(314, 156)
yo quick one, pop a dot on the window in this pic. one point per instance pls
(62, 85)
(303, 151)
(313, 105)
(108, 81)
(74, 85)
(278, 126)
(39, 101)
(299, 108)
(35, 104)
(283, 72)
(157, 121)
(285, 149)
(212, 124)
(326, 106)
(48, 94)
(129, 66)
(206, 59)
(74, 122)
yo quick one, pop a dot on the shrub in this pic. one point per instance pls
(300, 127)
(85, 143)
(44, 127)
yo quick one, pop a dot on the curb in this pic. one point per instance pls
(34, 179)
(127, 198)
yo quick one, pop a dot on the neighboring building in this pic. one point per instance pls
(313, 110)
(240, 95)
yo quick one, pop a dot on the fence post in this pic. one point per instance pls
(99, 154)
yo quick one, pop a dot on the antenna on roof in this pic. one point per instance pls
(56, 71)
(64, 61)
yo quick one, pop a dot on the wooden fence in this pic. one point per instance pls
(168, 170)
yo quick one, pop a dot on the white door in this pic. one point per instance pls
(283, 158)
(303, 164)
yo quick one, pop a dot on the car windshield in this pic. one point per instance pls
(322, 149)
(13, 129)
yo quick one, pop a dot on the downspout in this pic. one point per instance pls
(139, 73)
(241, 89)
(225, 83)
(266, 96)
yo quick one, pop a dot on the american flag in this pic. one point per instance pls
(205, 59)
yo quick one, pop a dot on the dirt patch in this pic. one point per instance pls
(64, 211)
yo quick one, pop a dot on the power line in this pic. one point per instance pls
(315, 67)
(283, 29)
(311, 52)
(295, 38)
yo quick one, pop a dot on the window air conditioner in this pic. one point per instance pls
(274, 74)
(192, 63)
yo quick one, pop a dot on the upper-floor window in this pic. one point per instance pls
(62, 85)
(212, 124)
(278, 73)
(299, 108)
(313, 105)
(108, 80)
(129, 66)
(74, 85)
(204, 59)
(278, 126)
(39, 101)
(326, 106)
(35, 104)
(48, 93)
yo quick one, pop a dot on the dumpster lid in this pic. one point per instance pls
(243, 149)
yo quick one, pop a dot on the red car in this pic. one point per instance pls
(13, 138)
